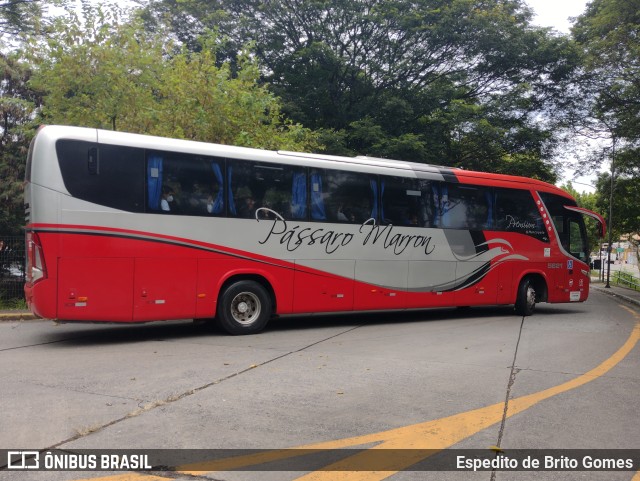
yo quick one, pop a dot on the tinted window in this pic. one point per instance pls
(569, 225)
(107, 175)
(465, 207)
(264, 189)
(407, 202)
(339, 196)
(516, 211)
(578, 238)
(185, 184)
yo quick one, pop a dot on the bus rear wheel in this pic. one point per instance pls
(244, 307)
(526, 300)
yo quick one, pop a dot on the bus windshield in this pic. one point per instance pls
(569, 225)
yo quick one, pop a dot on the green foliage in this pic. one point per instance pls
(608, 34)
(626, 191)
(446, 82)
(17, 17)
(106, 73)
(13, 304)
(17, 105)
(97, 74)
(625, 279)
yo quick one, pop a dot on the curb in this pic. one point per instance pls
(17, 316)
(611, 293)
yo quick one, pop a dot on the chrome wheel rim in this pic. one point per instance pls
(531, 297)
(245, 308)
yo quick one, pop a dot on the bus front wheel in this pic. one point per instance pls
(244, 307)
(526, 300)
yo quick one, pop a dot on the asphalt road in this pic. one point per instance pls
(569, 375)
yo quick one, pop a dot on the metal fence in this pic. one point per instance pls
(12, 265)
(627, 280)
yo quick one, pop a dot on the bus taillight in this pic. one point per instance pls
(36, 268)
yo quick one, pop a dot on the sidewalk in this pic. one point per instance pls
(622, 293)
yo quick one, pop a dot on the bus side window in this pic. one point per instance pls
(265, 191)
(317, 197)
(107, 175)
(403, 201)
(466, 207)
(516, 211)
(185, 184)
(346, 197)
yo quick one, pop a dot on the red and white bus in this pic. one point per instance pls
(132, 228)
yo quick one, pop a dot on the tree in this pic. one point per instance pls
(610, 92)
(19, 16)
(626, 217)
(448, 82)
(610, 85)
(17, 105)
(106, 73)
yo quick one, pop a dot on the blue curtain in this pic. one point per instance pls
(490, 203)
(232, 204)
(374, 190)
(218, 203)
(299, 196)
(317, 202)
(154, 183)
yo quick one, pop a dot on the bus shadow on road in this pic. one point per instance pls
(362, 319)
(116, 333)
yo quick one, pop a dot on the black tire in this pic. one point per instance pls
(526, 300)
(244, 307)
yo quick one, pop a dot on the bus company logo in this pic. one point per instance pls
(369, 233)
(23, 460)
(518, 224)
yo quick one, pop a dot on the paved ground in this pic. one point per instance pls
(567, 377)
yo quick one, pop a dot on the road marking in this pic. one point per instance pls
(372, 465)
(431, 435)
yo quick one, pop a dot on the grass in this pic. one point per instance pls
(13, 304)
(625, 279)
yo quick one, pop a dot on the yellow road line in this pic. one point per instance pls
(431, 435)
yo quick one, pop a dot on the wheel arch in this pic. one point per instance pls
(232, 278)
(540, 284)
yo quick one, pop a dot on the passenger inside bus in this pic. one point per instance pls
(168, 199)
